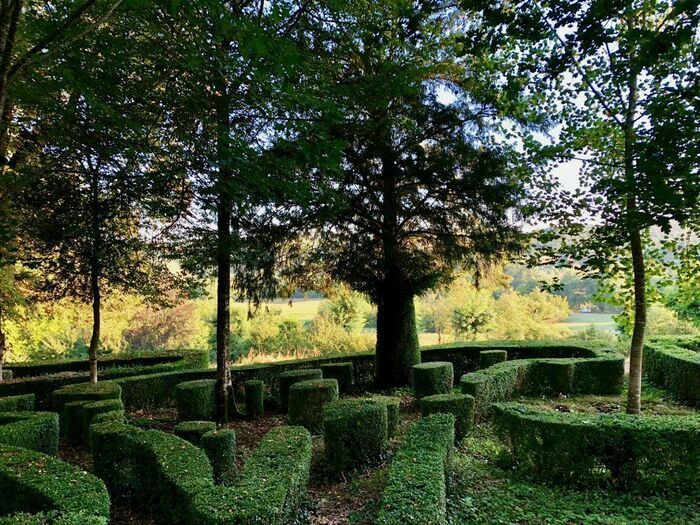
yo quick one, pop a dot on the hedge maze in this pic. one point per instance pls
(190, 475)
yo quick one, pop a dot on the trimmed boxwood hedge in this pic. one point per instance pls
(175, 477)
(461, 406)
(355, 433)
(91, 409)
(415, 493)
(20, 403)
(196, 400)
(37, 483)
(488, 358)
(193, 431)
(597, 372)
(53, 518)
(86, 392)
(641, 453)
(272, 484)
(254, 398)
(674, 364)
(393, 409)
(220, 448)
(288, 378)
(36, 431)
(432, 378)
(342, 372)
(306, 402)
(158, 390)
(7, 375)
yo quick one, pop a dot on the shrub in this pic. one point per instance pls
(36, 431)
(31, 482)
(254, 398)
(196, 400)
(550, 376)
(271, 485)
(432, 378)
(53, 518)
(220, 448)
(491, 357)
(393, 408)
(7, 375)
(193, 431)
(288, 378)
(415, 490)
(157, 390)
(19, 403)
(306, 401)
(644, 453)
(673, 365)
(342, 372)
(84, 392)
(355, 433)
(105, 417)
(90, 410)
(461, 406)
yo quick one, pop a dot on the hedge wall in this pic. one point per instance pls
(674, 364)
(158, 390)
(596, 372)
(196, 400)
(641, 453)
(415, 490)
(36, 483)
(175, 477)
(20, 403)
(36, 431)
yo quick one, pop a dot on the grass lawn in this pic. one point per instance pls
(300, 309)
(580, 321)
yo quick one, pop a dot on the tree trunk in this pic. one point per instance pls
(397, 338)
(96, 321)
(95, 274)
(3, 342)
(11, 13)
(223, 298)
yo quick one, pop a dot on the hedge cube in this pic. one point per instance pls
(355, 433)
(89, 410)
(342, 372)
(193, 431)
(488, 358)
(196, 400)
(306, 401)
(220, 448)
(432, 378)
(21, 403)
(288, 378)
(461, 406)
(393, 408)
(254, 398)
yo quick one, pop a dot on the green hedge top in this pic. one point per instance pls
(86, 392)
(19, 403)
(33, 482)
(673, 364)
(36, 431)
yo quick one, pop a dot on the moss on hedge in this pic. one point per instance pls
(488, 358)
(342, 372)
(254, 398)
(461, 406)
(306, 402)
(288, 378)
(643, 453)
(220, 448)
(193, 431)
(415, 493)
(355, 433)
(196, 400)
(432, 378)
(21, 403)
(33, 482)
(36, 431)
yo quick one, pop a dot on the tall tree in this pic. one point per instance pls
(423, 186)
(623, 77)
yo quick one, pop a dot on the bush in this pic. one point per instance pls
(671, 364)
(31, 481)
(550, 376)
(393, 408)
(193, 431)
(20, 403)
(36, 431)
(432, 378)
(107, 417)
(90, 410)
(461, 406)
(488, 358)
(415, 490)
(271, 485)
(196, 400)
(254, 398)
(355, 433)
(158, 390)
(220, 448)
(53, 518)
(288, 378)
(642, 453)
(306, 401)
(342, 372)
(7, 375)
(84, 392)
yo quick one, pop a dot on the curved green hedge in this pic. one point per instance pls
(20, 403)
(36, 431)
(254, 398)
(342, 372)
(415, 490)
(193, 431)
(36, 483)
(289, 377)
(595, 371)
(461, 406)
(306, 402)
(646, 453)
(674, 364)
(196, 400)
(432, 378)
(220, 448)
(175, 477)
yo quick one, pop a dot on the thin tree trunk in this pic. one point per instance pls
(11, 13)
(634, 392)
(3, 342)
(95, 276)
